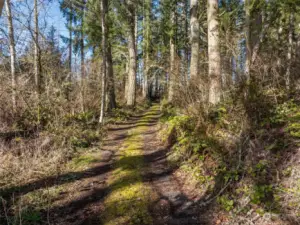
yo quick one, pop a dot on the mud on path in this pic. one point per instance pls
(171, 205)
(85, 202)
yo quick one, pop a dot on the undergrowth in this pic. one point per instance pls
(62, 143)
(242, 161)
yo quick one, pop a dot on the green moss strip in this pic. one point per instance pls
(129, 198)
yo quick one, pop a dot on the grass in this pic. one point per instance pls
(127, 203)
(27, 209)
(129, 198)
(31, 165)
(84, 160)
(41, 199)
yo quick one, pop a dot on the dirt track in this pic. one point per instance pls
(131, 184)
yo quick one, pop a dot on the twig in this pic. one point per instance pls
(4, 208)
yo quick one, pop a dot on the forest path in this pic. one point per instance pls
(143, 189)
(131, 184)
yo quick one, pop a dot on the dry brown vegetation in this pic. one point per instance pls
(226, 76)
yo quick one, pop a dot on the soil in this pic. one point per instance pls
(82, 200)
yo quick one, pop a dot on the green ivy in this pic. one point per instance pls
(225, 202)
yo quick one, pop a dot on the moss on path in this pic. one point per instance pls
(129, 197)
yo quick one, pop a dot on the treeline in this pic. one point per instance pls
(188, 51)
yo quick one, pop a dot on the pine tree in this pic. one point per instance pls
(214, 60)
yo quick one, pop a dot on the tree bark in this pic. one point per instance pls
(104, 36)
(69, 78)
(172, 56)
(126, 79)
(194, 24)
(37, 57)
(1, 6)
(214, 59)
(146, 40)
(70, 38)
(136, 25)
(12, 50)
(261, 36)
(248, 40)
(132, 54)
(82, 68)
(186, 48)
(279, 50)
(289, 53)
(111, 104)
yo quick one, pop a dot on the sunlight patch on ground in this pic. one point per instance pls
(129, 199)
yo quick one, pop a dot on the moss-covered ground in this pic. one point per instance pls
(129, 197)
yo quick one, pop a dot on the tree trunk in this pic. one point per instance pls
(172, 56)
(214, 59)
(12, 53)
(186, 48)
(136, 36)
(136, 26)
(132, 54)
(37, 57)
(279, 50)
(82, 68)
(104, 36)
(69, 78)
(126, 79)
(111, 104)
(156, 90)
(256, 47)
(194, 24)
(1, 6)
(298, 45)
(248, 41)
(289, 54)
(70, 37)
(146, 40)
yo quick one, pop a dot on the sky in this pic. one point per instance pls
(54, 17)
(22, 12)
(49, 15)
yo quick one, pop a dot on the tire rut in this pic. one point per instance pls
(171, 206)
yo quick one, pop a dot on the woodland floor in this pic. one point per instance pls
(127, 181)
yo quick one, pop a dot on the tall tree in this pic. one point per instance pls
(172, 70)
(194, 25)
(111, 97)
(186, 48)
(289, 53)
(70, 20)
(12, 50)
(104, 46)
(214, 59)
(68, 11)
(82, 63)
(37, 55)
(146, 45)
(247, 6)
(130, 7)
